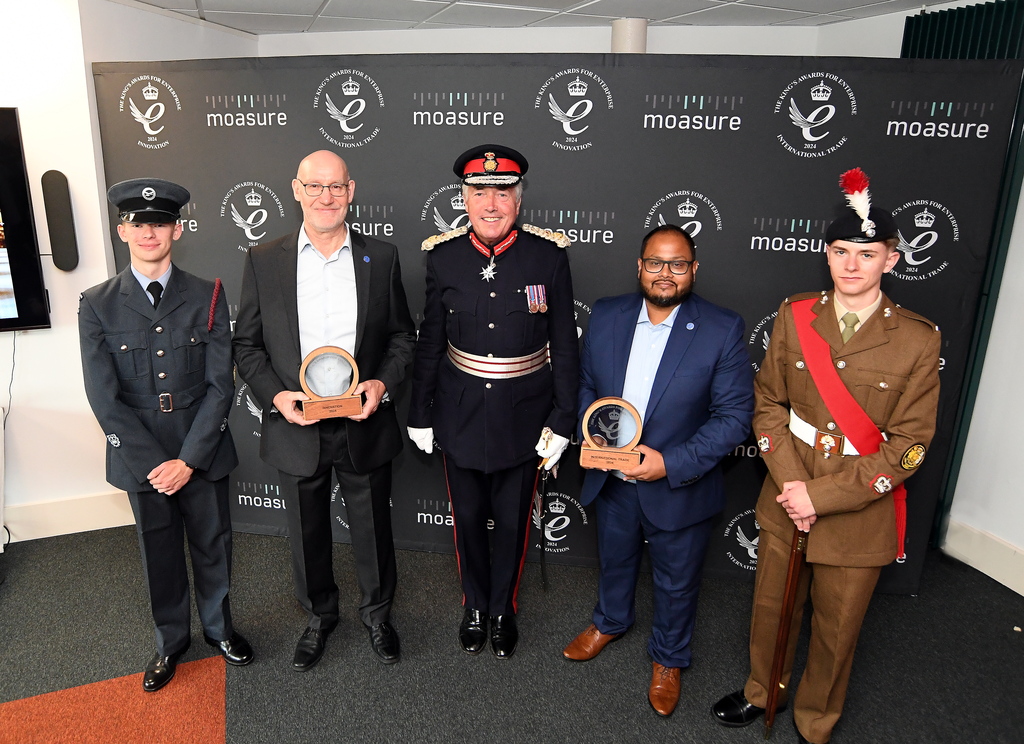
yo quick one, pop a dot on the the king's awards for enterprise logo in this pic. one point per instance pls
(814, 112)
(561, 510)
(926, 229)
(445, 209)
(150, 100)
(351, 104)
(254, 209)
(691, 210)
(573, 98)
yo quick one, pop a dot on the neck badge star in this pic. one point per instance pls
(489, 271)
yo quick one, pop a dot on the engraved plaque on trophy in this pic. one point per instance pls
(611, 429)
(328, 376)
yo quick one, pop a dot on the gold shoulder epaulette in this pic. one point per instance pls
(555, 236)
(433, 240)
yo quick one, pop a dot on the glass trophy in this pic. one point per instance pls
(611, 429)
(328, 376)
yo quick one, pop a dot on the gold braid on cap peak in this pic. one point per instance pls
(555, 236)
(429, 243)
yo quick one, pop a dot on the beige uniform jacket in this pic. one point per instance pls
(891, 366)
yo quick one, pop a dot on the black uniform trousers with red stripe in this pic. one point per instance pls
(492, 524)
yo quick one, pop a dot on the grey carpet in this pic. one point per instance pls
(944, 666)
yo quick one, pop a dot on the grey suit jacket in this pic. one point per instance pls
(268, 356)
(127, 345)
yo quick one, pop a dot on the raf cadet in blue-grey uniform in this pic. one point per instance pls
(494, 381)
(156, 354)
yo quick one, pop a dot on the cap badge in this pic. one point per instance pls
(149, 193)
(490, 163)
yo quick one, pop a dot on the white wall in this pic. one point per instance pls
(54, 473)
(54, 479)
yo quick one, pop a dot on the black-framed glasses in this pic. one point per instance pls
(315, 189)
(654, 266)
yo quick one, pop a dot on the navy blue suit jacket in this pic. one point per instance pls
(701, 405)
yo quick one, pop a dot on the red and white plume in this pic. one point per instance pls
(854, 184)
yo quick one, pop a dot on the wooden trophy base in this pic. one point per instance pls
(321, 408)
(608, 459)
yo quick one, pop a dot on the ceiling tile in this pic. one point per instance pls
(739, 15)
(467, 14)
(390, 10)
(275, 7)
(569, 20)
(816, 20)
(261, 23)
(189, 5)
(323, 25)
(654, 10)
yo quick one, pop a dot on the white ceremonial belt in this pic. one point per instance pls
(498, 368)
(826, 441)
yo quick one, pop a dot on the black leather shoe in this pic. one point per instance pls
(235, 650)
(473, 631)
(734, 711)
(384, 641)
(504, 635)
(309, 649)
(160, 670)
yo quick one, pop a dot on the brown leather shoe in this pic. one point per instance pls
(588, 644)
(664, 692)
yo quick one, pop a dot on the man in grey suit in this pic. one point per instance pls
(325, 285)
(156, 355)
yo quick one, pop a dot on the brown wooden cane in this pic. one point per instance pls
(796, 553)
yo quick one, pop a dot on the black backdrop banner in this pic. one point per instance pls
(744, 152)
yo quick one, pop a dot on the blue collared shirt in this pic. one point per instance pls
(145, 280)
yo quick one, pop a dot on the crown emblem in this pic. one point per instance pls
(556, 507)
(253, 199)
(924, 218)
(577, 87)
(490, 164)
(687, 209)
(458, 202)
(150, 92)
(821, 92)
(350, 87)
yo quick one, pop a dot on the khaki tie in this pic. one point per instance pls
(849, 321)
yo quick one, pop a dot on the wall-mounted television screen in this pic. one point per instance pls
(23, 301)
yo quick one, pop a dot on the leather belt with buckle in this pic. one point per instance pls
(166, 402)
(828, 442)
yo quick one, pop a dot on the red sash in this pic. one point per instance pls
(845, 411)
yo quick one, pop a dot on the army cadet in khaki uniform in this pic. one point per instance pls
(156, 355)
(818, 481)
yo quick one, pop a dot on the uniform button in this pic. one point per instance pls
(830, 426)
(124, 347)
(841, 365)
(160, 353)
(494, 294)
(488, 386)
(490, 325)
(192, 340)
(159, 329)
(162, 375)
(799, 365)
(450, 311)
(491, 356)
(883, 385)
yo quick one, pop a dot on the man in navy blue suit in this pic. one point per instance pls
(682, 363)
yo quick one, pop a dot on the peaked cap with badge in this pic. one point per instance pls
(148, 200)
(491, 165)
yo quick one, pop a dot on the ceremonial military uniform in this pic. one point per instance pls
(487, 425)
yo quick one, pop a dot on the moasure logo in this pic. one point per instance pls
(152, 102)
(691, 210)
(459, 109)
(373, 220)
(788, 235)
(693, 112)
(351, 104)
(927, 230)
(254, 209)
(562, 509)
(757, 341)
(246, 402)
(742, 535)
(818, 107)
(259, 495)
(246, 111)
(583, 227)
(938, 119)
(445, 208)
(572, 97)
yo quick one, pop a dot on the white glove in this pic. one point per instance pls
(550, 447)
(422, 438)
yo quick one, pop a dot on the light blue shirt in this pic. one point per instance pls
(649, 342)
(145, 280)
(326, 296)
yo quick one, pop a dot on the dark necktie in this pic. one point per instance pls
(156, 289)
